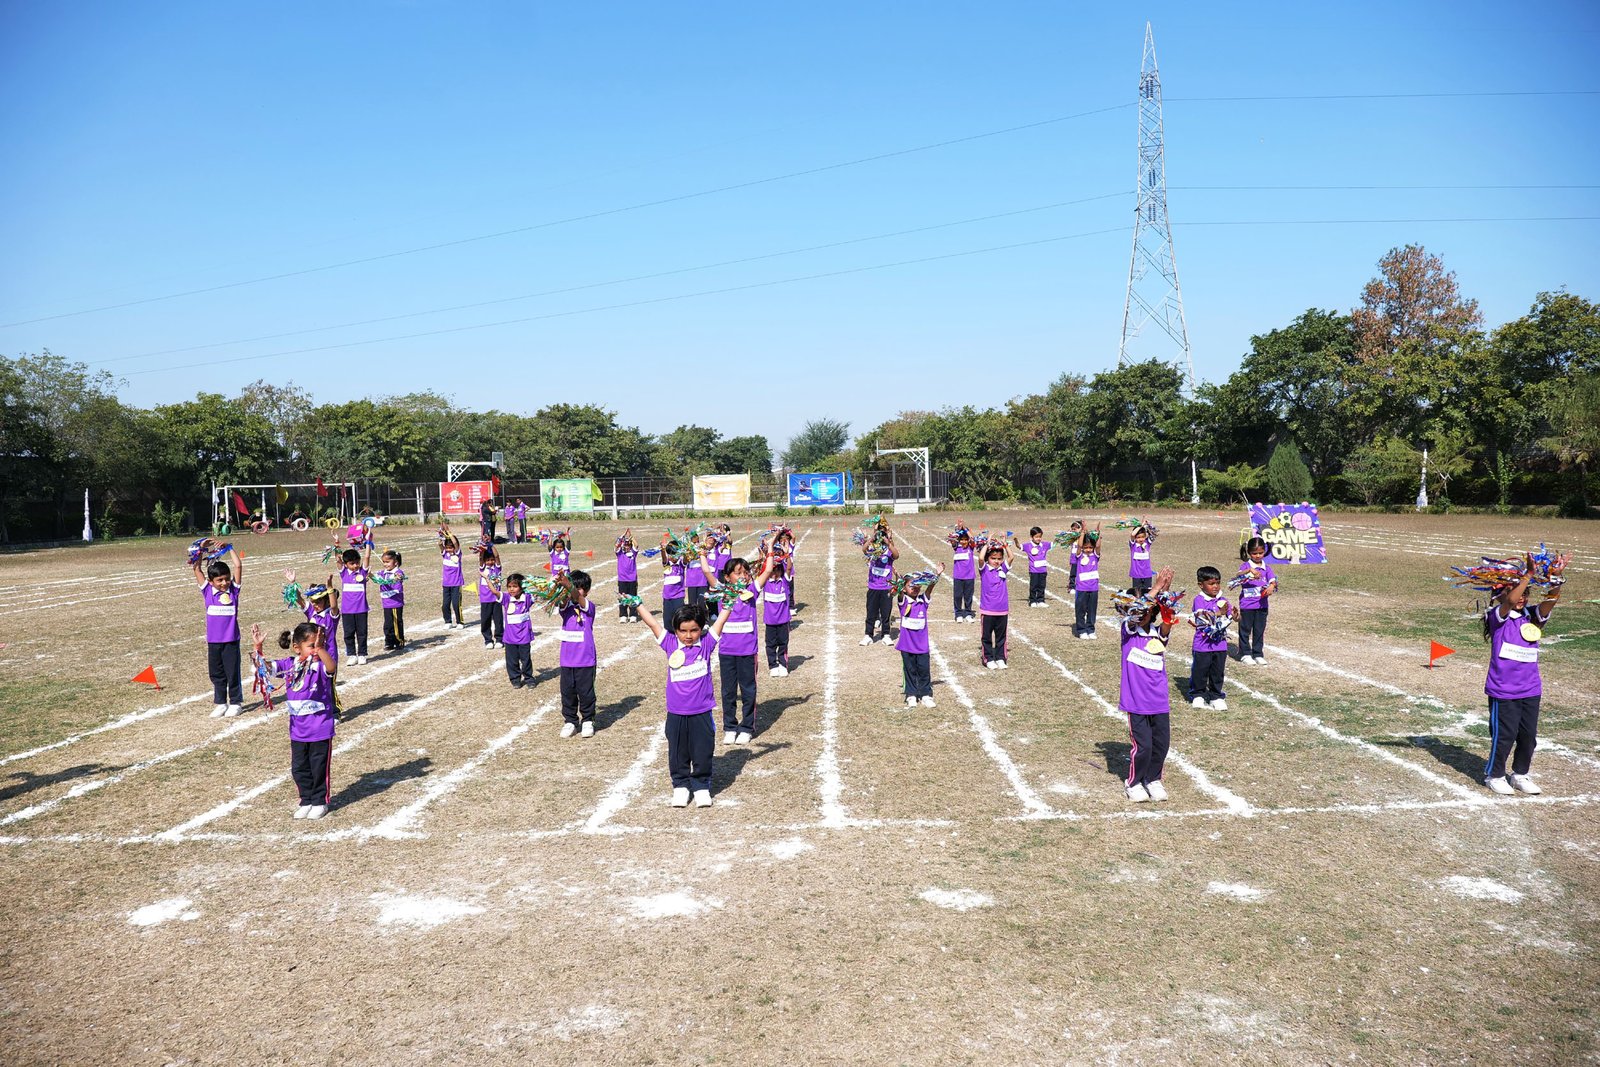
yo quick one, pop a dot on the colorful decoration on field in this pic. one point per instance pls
(1212, 626)
(629, 600)
(901, 584)
(1130, 605)
(1490, 575)
(206, 549)
(292, 595)
(548, 593)
(728, 593)
(1293, 532)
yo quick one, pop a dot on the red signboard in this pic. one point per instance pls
(463, 498)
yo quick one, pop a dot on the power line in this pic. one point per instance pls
(1386, 188)
(831, 274)
(604, 213)
(1380, 96)
(618, 281)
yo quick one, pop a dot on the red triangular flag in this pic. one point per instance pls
(590, 553)
(1438, 651)
(322, 490)
(239, 505)
(148, 676)
(547, 566)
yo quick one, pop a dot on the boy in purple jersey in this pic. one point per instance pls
(308, 677)
(517, 607)
(963, 575)
(392, 594)
(627, 575)
(881, 557)
(1037, 549)
(560, 554)
(694, 580)
(994, 603)
(1076, 529)
(1258, 582)
(1209, 653)
(491, 620)
(320, 609)
(1513, 685)
(913, 641)
(220, 587)
(578, 660)
(1144, 697)
(450, 579)
(672, 587)
(691, 700)
(353, 577)
(777, 610)
(736, 656)
(1086, 576)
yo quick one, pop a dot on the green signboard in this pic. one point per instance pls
(566, 495)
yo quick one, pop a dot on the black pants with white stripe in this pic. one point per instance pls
(1151, 736)
(1513, 732)
(310, 763)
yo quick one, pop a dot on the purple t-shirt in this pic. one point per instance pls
(1088, 571)
(628, 565)
(519, 618)
(1250, 598)
(560, 562)
(1513, 656)
(880, 569)
(913, 625)
(1139, 565)
(689, 687)
(1036, 553)
(450, 570)
(775, 601)
(577, 636)
(392, 588)
(739, 632)
(672, 583)
(696, 577)
(994, 598)
(963, 567)
(309, 698)
(488, 578)
(1144, 671)
(1215, 604)
(720, 558)
(353, 591)
(222, 614)
(330, 629)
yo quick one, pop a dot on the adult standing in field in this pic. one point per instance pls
(486, 519)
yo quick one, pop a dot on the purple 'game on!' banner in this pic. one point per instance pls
(1291, 531)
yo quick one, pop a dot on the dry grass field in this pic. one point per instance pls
(1329, 882)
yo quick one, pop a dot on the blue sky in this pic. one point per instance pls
(157, 149)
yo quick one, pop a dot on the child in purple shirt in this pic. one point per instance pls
(307, 674)
(881, 557)
(353, 577)
(1144, 697)
(560, 555)
(450, 579)
(694, 581)
(777, 611)
(516, 608)
(1257, 582)
(392, 594)
(913, 640)
(994, 603)
(627, 576)
(1086, 582)
(220, 588)
(1513, 685)
(736, 655)
(1209, 653)
(1140, 568)
(1037, 549)
(691, 700)
(672, 578)
(578, 660)
(963, 573)
(491, 620)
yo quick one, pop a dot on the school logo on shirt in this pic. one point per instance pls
(677, 659)
(224, 598)
(1155, 646)
(1531, 632)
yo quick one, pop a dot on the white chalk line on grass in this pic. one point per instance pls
(830, 783)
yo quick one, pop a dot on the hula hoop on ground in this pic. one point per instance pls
(302, 524)
(261, 526)
(332, 524)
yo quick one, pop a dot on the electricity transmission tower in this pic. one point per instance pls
(1153, 291)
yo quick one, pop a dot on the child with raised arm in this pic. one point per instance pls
(736, 594)
(627, 576)
(491, 584)
(915, 590)
(392, 594)
(578, 659)
(220, 587)
(691, 700)
(1037, 549)
(450, 579)
(777, 609)
(994, 603)
(307, 674)
(1514, 686)
(881, 555)
(1146, 698)
(1086, 600)
(353, 576)
(516, 606)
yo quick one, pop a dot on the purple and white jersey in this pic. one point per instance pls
(450, 570)
(963, 566)
(689, 686)
(880, 570)
(330, 630)
(577, 636)
(696, 578)
(1036, 553)
(353, 591)
(1250, 598)
(775, 601)
(222, 614)
(913, 625)
(519, 618)
(560, 562)
(309, 698)
(994, 597)
(1088, 571)
(1206, 603)
(628, 565)
(392, 588)
(1513, 656)
(1139, 565)
(488, 579)
(739, 632)
(672, 583)
(720, 558)
(1144, 671)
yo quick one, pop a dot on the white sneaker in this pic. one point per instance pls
(1198, 702)
(234, 709)
(911, 702)
(497, 644)
(992, 664)
(568, 729)
(1003, 665)
(927, 702)
(783, 672)
(1219, 705)
(1083, 637)
(362, 660)
(1523, 784)
(1157, 791)
(302, 811)
(218, 710)
(742, 739)
(728, 736)
(865, 641)
(1138, 794)
(1501, 786)
(702, 798)
(588, 729)
(1259, 661)
(772, 672)
(1094, 636)
(316, 811)
(680, 797)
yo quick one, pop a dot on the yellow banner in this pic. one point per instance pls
(716, 492)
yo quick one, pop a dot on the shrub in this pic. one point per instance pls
(1287, 474)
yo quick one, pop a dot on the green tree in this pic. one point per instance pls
(1130, 418)
(1239, 480)
(210, 437)
(364, 439)
(25, 446)
(1384, 469)
(589, 443)
(687, 450)
(1295, 382)
(817, 440)
(1287, 474)
(1575, 430)
(742, 455)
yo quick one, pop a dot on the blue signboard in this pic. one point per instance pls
(818, 490)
